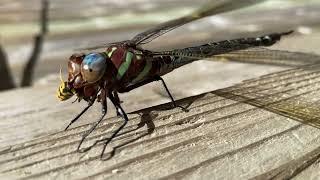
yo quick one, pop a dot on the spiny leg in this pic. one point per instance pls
(171, 97)
(104, 112)
(123, 115)
(117, 99)
(81, 113)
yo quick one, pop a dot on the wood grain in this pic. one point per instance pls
(263, 128)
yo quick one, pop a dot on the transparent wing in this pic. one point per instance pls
(291, 93)
(256, 55)
(101, 46)
(269, 56)
(211, 8)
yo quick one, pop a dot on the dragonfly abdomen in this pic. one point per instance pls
(166, 64)
(215, 48)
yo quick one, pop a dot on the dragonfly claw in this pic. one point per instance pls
(183, 109)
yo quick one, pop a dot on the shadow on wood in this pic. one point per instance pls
(264, 98)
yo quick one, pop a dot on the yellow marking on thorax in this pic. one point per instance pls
(111, 52)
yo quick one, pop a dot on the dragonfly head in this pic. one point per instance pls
(84, 74)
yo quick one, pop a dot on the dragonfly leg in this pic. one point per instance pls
(81, 113)
(123, 115)
(104, 112)
(171, 97)
(117, 99)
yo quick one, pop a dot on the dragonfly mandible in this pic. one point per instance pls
(123, 66)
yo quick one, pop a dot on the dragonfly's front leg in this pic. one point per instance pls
(123, 114)
(158, 78)
(103, 100)
(90, 103)
(117, 99)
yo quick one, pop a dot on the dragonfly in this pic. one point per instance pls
(125, 65)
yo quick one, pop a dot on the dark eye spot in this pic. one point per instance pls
(90, 70)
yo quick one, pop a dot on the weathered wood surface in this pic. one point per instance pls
(244, 131)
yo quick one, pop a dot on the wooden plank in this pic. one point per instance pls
(262, 128)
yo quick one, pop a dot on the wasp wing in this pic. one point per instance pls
(211, 8)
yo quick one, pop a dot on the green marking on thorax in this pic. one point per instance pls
(111, 52)
(125, 65)
(144, 72)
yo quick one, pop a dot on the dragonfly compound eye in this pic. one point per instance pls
(93, 67)
(73, 68)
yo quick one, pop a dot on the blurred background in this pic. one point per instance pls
(74, 24)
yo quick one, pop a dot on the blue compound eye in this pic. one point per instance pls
(93, 67)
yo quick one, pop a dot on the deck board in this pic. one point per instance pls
(261, 128)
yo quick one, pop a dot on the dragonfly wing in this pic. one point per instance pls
(211, 8)
(269, 56)
(102, 46)
(248, 50)
(261, 56)
(291, 93)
